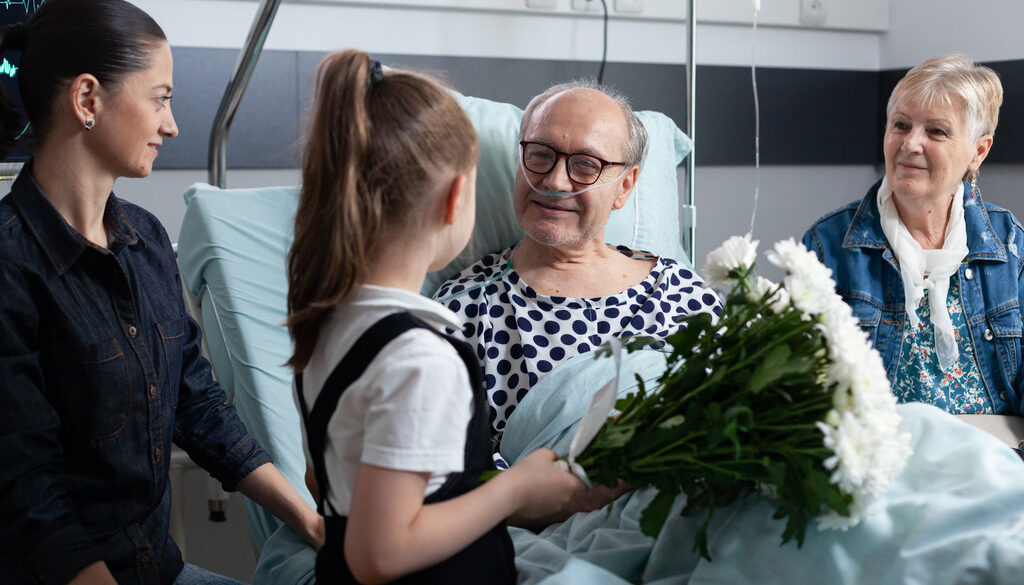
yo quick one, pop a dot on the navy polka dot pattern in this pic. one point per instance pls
(524, 335)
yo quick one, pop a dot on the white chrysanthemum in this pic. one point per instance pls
(768, 490)
(779, 301)
(830, 520)
(809, 295)
(735, 252)
(808, 281)
(794, 258)
(862, 430)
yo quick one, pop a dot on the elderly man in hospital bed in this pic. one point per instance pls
(562, 291)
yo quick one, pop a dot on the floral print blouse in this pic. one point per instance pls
(959, 390)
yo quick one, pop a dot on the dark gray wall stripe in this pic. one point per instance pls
(808, 116)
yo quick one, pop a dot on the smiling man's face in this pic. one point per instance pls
(577, 121)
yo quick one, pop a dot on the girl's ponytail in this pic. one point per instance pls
(333, 222)
(376, 143)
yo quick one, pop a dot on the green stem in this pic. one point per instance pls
(786, 427)
(738, 365)
(672, 445)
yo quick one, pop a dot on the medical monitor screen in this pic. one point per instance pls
(12, 11)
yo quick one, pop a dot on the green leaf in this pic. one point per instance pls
(604, 350)
(771, 369)
(683, 340)
(642, 342)
(700, 540)
(641, 386)
(674, 421)
(730, 432)
(652, 519)
(742, 414)
(616, 436)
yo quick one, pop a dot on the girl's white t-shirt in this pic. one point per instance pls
(408, 411)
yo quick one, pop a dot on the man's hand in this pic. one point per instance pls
(587, 500)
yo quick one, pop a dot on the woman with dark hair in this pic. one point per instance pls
(100, 367)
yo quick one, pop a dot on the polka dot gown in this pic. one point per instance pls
(521, 335)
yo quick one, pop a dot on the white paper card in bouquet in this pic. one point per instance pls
(600, 407)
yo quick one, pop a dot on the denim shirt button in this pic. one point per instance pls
(132, 331)
(1003, 396)
(988, 335)
(144, 559)
(156, 454)
(968, 273)
(152, 390)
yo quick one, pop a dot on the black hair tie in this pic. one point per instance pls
(376, 73)
(12, 37)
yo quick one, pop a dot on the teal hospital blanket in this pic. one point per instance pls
(955, 515)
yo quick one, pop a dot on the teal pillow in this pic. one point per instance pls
(649, 221)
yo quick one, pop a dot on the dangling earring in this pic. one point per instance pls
(89, 124)
(974, 184)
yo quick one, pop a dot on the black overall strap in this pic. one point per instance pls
(492, 554)
(348, 370)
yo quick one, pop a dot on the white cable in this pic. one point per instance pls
(757, 116)
(636, 216)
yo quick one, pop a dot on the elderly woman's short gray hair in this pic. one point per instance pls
(956, 81)
(636, 142)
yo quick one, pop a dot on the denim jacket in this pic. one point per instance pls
(100, 369)
(850, 242)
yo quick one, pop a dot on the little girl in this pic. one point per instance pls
(396, 429)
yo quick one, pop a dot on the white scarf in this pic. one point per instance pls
(928, 269)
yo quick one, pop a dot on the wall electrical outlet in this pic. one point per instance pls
(548, 4)
(586, 5)
(812, 12)
(629, 6)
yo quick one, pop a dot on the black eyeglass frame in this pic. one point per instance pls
(568, 169)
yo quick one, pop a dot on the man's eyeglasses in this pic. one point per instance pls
(582, 168)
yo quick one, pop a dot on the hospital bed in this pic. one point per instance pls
(233, 244)
(956, 516)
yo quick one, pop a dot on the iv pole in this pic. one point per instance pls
(689, 210)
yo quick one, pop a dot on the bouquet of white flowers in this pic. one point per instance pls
(781, 394)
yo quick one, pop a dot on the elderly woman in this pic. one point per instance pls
(932, 272)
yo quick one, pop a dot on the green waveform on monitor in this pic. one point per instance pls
(7, 68)
(28, 5)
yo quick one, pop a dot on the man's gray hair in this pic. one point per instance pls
(636, 142)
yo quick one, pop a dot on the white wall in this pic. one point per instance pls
(528, 35)
(790, 199)
(532, 35)
(987, 30)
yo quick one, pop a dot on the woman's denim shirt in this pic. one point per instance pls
(100, 369)
(850, 241)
